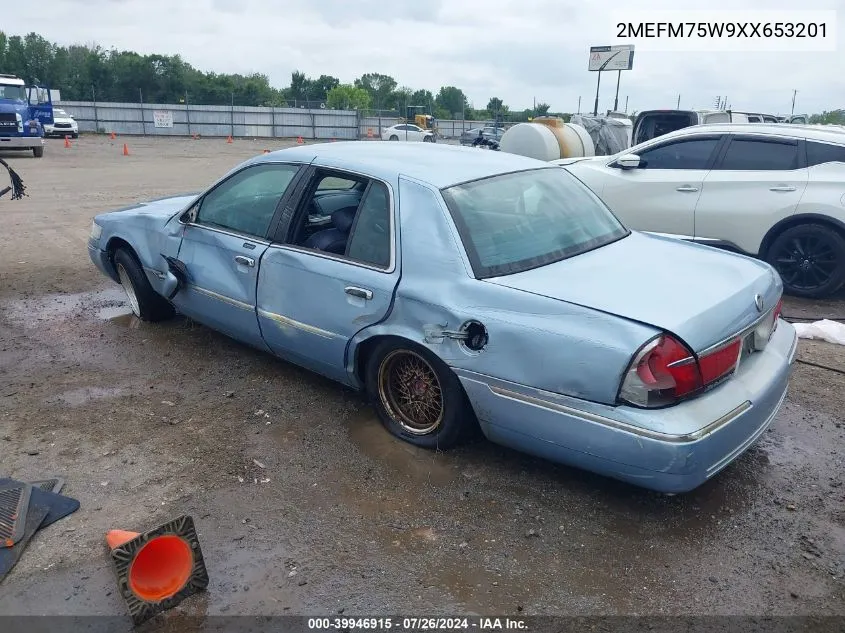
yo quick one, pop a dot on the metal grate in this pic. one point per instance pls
(14, 501)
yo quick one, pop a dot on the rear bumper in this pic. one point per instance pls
(20, 142)
(670, 450)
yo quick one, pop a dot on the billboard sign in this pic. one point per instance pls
(611, 57)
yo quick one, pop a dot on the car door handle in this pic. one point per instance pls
(245, 261)
(686, 188)
(782, 188)
(361, 293)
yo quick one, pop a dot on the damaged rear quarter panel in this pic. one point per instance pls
(533, 340)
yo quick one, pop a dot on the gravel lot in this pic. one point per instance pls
(150, 422)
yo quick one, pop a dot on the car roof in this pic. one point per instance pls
(436, 164)
(792, 130)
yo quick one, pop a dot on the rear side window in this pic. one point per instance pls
(691, 154)
(820, 153)
(753, 155)
(370, 238)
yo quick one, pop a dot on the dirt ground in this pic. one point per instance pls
(150, 422)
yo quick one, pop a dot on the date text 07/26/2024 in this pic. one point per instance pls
(415, 623)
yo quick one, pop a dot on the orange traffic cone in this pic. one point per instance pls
(125, 150)
(158, 569)
(299, 140)
(112, 136)
(229, 140)
(67, 142)
(266, 151)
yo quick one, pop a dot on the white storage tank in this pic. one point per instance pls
(547, 139)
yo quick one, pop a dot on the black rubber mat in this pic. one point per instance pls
(50, 485)
(59, 505)
(34, 518)
(14, 500)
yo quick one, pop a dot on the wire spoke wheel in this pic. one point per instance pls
(410, 391)
(129, 289)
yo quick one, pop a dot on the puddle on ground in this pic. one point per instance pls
(32, 312)
(420, 464)
(78, 397)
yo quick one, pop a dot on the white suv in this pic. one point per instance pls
(773, 191)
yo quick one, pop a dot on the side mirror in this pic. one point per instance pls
(628, 161)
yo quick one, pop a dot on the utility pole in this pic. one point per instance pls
(579, 105)
(626, 104)
(616, 99)
(794, 92)
(679, 103)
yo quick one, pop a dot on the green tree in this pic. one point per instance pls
(380, 88)
(543, 109)
(833, 117)
(348, 97)
(451, 100)
(494, 105)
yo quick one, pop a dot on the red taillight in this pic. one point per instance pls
(719, 362)
(777, 312)
(665, 371)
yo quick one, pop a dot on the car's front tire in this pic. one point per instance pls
(393, 137)
(145, 302)
(417, 397)
(810, 259)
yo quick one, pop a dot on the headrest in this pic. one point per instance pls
(342, 219)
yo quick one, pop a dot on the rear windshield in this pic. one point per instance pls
(518, 221)
(653, 124)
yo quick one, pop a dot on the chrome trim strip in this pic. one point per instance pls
(741, 334)
(793, 350)
(240, 236)
(674, 236)
(624, 426)
(223, 298)
(727, 459)
(283, 320)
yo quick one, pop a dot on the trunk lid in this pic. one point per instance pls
(695, 292)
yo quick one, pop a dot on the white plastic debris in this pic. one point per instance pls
(824, 330)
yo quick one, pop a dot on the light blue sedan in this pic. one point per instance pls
(462, 288)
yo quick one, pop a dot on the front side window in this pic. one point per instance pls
(246, 202)
(515, 222)
(759, 155)
(687, 154)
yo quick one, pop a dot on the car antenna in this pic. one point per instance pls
(18, 189)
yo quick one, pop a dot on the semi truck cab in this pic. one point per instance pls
(24, 110)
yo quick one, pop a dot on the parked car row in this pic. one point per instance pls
(776, 192)
(464, 289)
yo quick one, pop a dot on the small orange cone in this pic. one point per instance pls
(266, 151)
(125, 150)
(158, 569)
(67, 142)
(229, 140)
(112, 136)
(299, 140)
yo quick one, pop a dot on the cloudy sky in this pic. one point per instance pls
(514, 49)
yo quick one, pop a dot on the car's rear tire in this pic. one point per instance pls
(393, 137)
(145, 302)
(38, 152)
(810, 259)
(417, 397)
(428, 139)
